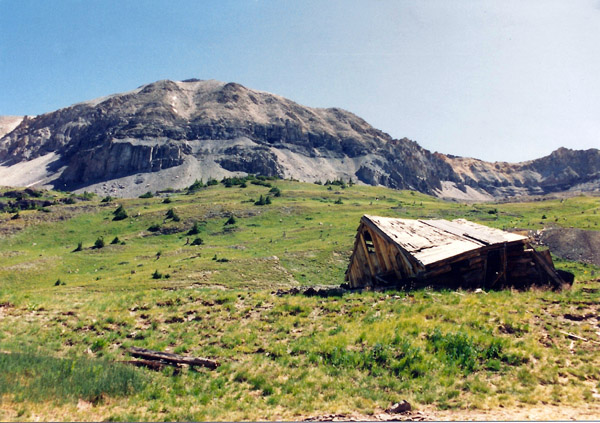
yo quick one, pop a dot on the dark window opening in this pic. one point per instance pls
(369, 243)
(494, 268)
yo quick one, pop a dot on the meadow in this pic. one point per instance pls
(198, 273)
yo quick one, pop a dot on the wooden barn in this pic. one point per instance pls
(440, 253)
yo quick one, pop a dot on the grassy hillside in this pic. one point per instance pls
(67, 307)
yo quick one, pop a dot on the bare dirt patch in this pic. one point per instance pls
(573, 244)
(539, 413)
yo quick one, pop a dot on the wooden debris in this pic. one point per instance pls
(573, 336)
(399, 407)
(578, 338)
(172, 359)
(542, 260)
(412, 416)
(313, 291)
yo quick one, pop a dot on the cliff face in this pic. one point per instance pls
(562, 170)
(167, 134)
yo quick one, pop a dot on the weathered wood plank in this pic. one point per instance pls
(437, 271)
(479, 233)
(549, 269)
(382, 251)
(363, 262)
(172, 358)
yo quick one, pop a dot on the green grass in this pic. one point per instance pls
(283, 357)
(33, 377)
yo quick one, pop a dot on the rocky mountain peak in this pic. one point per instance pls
(169, 133)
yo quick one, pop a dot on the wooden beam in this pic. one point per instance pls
(554, 278)
(437, 271)
(367, 256)
(503, 259)
(415, 263)
(382, 252)
(172, 358)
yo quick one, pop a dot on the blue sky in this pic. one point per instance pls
(497, 80)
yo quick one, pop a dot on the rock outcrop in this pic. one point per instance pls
(167, 134)
(562, 170)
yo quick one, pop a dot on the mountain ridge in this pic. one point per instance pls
(169, 133)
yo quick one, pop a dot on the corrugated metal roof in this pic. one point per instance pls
(430, 241)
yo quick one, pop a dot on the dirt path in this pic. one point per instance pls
(587, 412)
(546, 412)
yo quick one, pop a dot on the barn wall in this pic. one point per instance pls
(375, 259)
(359, 273)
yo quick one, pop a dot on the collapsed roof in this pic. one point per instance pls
(456, 253)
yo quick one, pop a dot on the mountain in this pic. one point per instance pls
(562, 170)
(170, 133)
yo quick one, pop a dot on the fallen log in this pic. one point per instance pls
(172, 358)
(578, 338)
(573, 336)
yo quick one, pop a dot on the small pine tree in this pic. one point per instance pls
(147, 195)
(171, 214)
(99, 243)
(154, 228)
(197, 241)
(116, 240)
(195, 229)
(268, 200)
(195, 186)
(120, 213)
(339, 201)
(260, 202)
(157, 275)
(79, 246)
(167, 200)
(87, 195)
(231, 220)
